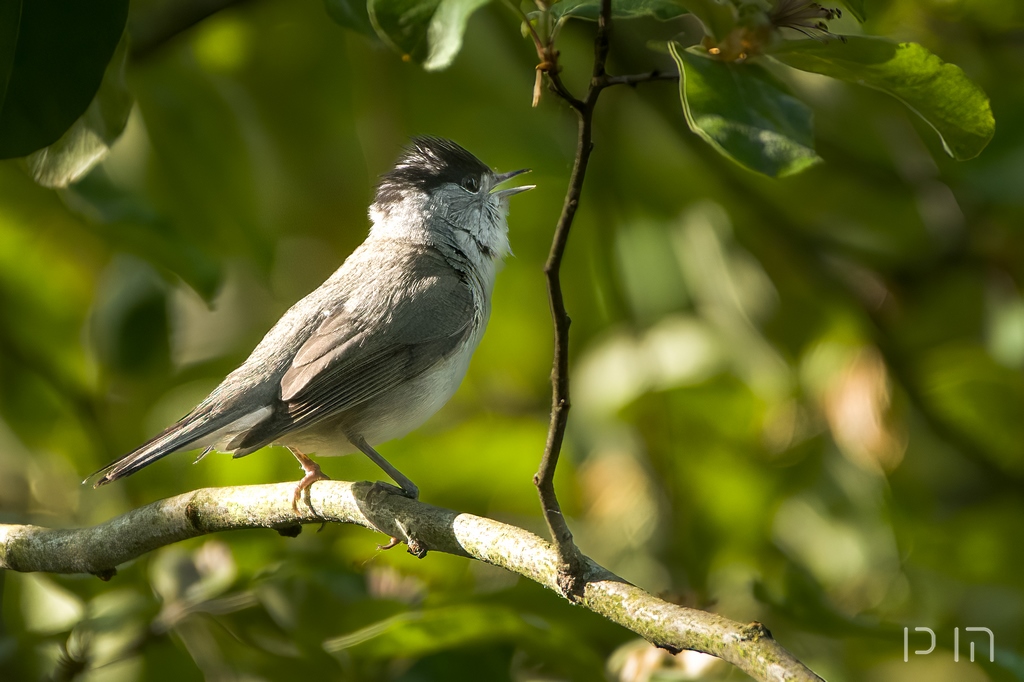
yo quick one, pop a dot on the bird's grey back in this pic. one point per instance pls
(388, 314)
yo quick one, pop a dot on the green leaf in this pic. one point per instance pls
(352, 14)
(940, 93)
(856, 8)
(88, 140)
(444, 35)
(662, 10)
(745, 113)
(425, 31)
(52, 59)
(10, 21)
(419, 633)
(404, 24)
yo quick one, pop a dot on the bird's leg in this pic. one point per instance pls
(313, 474)
(406, 487)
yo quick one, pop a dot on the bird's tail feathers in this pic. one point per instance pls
(178, 436)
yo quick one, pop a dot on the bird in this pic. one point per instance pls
(381, 345)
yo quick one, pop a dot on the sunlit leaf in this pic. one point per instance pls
(744, 113)
(52, 59)
(444, 35)
(940, 93)
(88, 140)
(425, 31)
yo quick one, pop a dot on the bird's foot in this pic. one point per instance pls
(415, 547)
(390, 489)
(405, 534)
(313, 474)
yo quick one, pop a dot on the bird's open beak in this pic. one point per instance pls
(503, 177)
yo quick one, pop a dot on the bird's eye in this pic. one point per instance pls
(471, 183)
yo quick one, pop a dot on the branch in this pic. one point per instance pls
(99, 549)
(570, 568)
(544, 479)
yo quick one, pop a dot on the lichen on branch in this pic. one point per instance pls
(100, 549)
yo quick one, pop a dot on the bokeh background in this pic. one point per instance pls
(798, 401)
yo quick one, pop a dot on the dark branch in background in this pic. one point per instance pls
(98, 550)
(636, 79)
(155, 29)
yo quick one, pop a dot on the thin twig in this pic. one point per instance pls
(100, 549)
(570, 568)
(557, 87)
(538, 43)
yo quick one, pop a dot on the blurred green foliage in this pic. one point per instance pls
(52, 59)
(796, 401)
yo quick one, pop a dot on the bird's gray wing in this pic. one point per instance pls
(359, 352)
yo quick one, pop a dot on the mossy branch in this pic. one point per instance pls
(100, 549)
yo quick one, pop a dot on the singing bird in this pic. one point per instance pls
(382, 344)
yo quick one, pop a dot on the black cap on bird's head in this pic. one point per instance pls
(426, 164)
